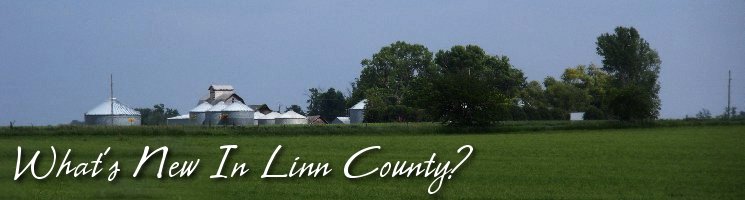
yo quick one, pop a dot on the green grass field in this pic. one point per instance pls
(686, 162)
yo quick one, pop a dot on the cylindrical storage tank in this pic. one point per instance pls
(121, 115)
(291, 117)
(198, 115)
(357, 112)
(238, 114)
(257, 116)
(214, 115)
(178, 120)
(268, 119)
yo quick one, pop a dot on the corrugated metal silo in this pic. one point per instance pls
(357, 112)
(238, 114)
(198, 114)
(214, 115)
(121, 115)
(291, 117)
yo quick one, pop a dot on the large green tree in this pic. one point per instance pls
(329, 104)
(634, 68)
(471, 87)
(156, 115)
(389, 81)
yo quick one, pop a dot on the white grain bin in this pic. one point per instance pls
(214, 115)
(257, 116)
(198, 114)
(357, 112)
(340, 120)
(238, 114)
(576, 116)
(179, 120)
(120, 115)
(291, 117)
(268, 119)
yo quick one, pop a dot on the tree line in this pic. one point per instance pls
(464, 85)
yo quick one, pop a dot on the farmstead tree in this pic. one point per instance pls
(634, 68)
(471, 87)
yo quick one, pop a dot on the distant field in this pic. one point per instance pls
(567, 162)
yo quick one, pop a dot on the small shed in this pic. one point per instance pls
(577, 116)
(316, 119)
(340, 120)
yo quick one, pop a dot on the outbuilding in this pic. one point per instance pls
(576, 116)
(340, 120)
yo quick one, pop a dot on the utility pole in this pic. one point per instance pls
(111, 100)
(729, 91)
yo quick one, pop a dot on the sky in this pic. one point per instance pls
(56, 56)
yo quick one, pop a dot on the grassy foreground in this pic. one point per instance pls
(695, 162)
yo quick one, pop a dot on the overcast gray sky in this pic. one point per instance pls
(55, 56)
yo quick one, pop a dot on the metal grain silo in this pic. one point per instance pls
(198, 114)
(214, 115)
(112, 112)
(238, 114)
(268, 119)
(257, 116)
(291, 117)
(357, 112)
(179, 120)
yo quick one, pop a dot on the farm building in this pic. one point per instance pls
(179, 120)
(214, 115)
(263, 108)
(198, 114)
(112, 112)
(340, 120)
(357, 112)
(238, 114)
(218, 93)
(268, 119)
(576, 116)
(291, 117)
(257, 115)
(316, 119)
